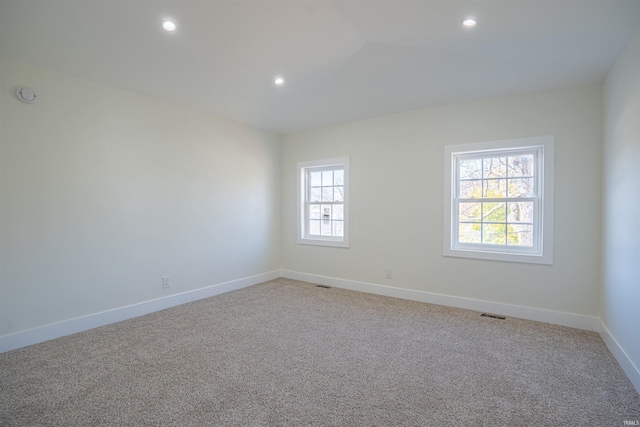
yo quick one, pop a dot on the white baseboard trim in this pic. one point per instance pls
(632, 371)
(83, 323)
(578, 321)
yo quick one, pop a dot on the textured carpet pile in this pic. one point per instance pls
(293, 354)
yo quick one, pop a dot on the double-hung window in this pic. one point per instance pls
(323, 202)
(499, 200)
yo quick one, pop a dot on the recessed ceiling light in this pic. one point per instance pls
(279, 81)
(469, 22)
(169, 25)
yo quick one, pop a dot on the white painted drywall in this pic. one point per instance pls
(105, 191)
(397, 200)
(620, 298)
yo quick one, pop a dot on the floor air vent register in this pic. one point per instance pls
(494, 316)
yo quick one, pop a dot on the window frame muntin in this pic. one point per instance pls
(308, 203)
(545, 190)
(535, 249)
(303, 236)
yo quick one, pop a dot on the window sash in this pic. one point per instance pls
(534, 248)
(535, 198)
(308, 203)
(330, 192)
(331, 220)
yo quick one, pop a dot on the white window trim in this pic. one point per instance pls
(303, 237)
(541, 255)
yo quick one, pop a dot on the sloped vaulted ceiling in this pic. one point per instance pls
(341, 60)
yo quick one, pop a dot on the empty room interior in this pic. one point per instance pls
(319, 212)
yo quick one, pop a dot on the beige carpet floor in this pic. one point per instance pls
(288, 353)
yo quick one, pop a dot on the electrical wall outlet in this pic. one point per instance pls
(165, 282)
(388, 273)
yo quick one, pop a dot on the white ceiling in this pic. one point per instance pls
(342, 60)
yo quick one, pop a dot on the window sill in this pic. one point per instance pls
(323, 242)
(498, 256)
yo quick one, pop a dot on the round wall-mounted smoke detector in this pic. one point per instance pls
(26, 94)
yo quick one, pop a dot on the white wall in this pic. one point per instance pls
(620, 299)
(397, 200)
(104, 191)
